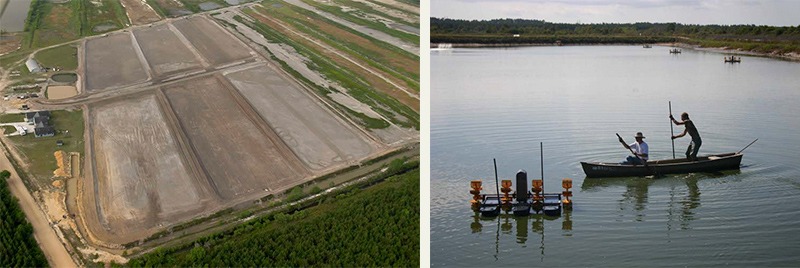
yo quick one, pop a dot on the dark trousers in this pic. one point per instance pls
(694, 147)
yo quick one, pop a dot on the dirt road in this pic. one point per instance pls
(55, 252)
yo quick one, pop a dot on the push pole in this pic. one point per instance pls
(671, 131)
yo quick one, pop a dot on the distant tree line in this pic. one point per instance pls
(376, 226)
(18, 248)
(760, 38)
(540, 27)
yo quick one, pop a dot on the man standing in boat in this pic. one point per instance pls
(639, 148)
(694, 146)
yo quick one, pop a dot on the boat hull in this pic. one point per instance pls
(710, 163)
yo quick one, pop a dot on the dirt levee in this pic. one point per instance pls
(314, 134)
(142, 178)
(211, 41)
(164, 51)
(239, 155)
(111, 61)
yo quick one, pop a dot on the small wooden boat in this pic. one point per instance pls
(675, 51)
(709, 163)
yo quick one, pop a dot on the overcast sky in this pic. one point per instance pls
(724, 12)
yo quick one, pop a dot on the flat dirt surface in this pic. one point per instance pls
(139, 12)
(57, 255)
(321, 140)
(164, 51)
(61, 92)
(111, 61)
(212, 42)
(142, 180)
(239, 154)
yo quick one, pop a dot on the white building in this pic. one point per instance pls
(33, 66)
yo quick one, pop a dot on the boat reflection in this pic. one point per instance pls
(684, 195)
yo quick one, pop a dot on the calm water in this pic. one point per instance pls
(13, 14)
(500, 103)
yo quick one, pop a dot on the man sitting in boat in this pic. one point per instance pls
(639, 148)
(694, 146)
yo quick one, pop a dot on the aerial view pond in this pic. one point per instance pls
(502, 102)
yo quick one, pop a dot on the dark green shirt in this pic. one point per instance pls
(692, 130)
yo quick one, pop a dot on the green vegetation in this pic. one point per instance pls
(65, 56)
(385, 105)
(8, 60)
(18, 248)
(39, 151)
(377, 226)
(160, 10)
(9, 129)
(194, 5)
(54, 23)
(761, 38)
(394, 61)
(12, 118)
(336, 10)
(103, 16)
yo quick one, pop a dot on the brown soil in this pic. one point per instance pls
(61, 92)
(61, 158)
(10, 43)
(139, 12)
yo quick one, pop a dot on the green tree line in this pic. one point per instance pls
(540, 27)
(759, 38)
(376, 226)
(18, 248)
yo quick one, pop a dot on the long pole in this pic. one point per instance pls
(496, 181)
(541, 157)
(671, 131)
(747, 146)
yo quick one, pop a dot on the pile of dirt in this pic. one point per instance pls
(58, 183)
(61, 159)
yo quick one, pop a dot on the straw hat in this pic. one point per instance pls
(639, 135)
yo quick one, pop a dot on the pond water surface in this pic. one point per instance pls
(500, 103)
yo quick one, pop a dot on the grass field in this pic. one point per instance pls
(104, 16)
(39, 151)
(59, 24)
(194, 5)
(65, 56)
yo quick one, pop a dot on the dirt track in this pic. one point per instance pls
(56, 253)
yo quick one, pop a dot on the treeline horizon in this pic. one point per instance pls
(755, 38)
(542, 27)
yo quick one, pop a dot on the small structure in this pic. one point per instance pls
(59, 143)
(33, 66)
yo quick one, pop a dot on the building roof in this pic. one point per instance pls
(41, 120)
(31, 115)
(33, 66)
(44, 131)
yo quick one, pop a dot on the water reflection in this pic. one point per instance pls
(526, 229)
(681, 204)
